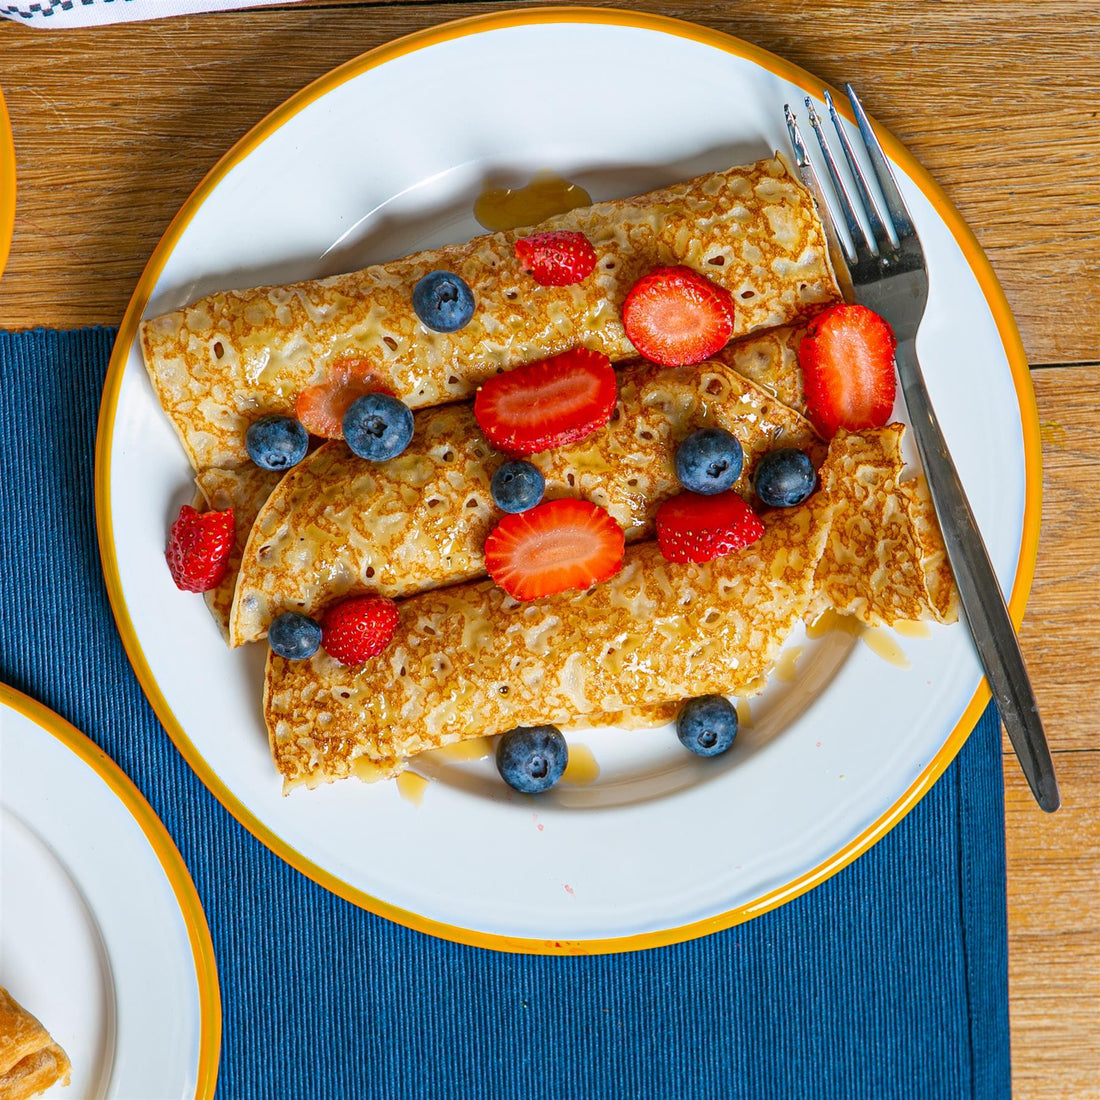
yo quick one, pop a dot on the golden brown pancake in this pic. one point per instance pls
(30, 1061)
(938, 578)
(230, 357)
(337, 524)
(470, 660)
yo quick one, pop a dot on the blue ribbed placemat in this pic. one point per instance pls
(890, 980)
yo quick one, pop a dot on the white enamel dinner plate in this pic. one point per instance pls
(102, 936)
(387, 155)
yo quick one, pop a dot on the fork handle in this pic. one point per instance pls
(980, 596)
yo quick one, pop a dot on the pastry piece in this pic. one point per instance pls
(469, 660)
(884, 561)
(338, 524)
(30, 1061)
(235, 355)
(244, 489)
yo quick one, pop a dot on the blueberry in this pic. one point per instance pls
(532, 758)
(377, 426)
(443, 301)
(709, 461)
(294, 636)
(707, 725)
(276, 442)
(784, 477)
(517, 486)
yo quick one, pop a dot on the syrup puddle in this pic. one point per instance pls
(885, 645)
(785, 666)
(547, 194)
(880, 641)
(473, 748)
(582, 768)
(411, 787)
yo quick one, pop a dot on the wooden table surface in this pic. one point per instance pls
(998, 98)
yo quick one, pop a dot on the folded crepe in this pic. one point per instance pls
(30, 1061)
(337, 524)
(471, 661)
(235, 355)
(884, 561)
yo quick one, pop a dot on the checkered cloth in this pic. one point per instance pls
(62, 14)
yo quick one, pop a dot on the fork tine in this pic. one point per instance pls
(802, 160)
(883, 233)
(895, 204)
(851, 219)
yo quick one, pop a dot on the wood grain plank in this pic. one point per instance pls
(111, 141)
(1054, 933)
(1060, 634)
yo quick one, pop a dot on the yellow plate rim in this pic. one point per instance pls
(7, 183)
(380, 55)
(175, 870)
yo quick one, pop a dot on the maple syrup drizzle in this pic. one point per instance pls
(877, 639)
(582, 768)
(910, 628)
(473, 748)
(547, 194)
(785, 666)
(885, 645)
(411, 787)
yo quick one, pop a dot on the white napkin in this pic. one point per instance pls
(92, 13)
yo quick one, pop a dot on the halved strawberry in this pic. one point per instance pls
(675, 316)
(548, 403)
(553, 547)
(693, 527)
(560, 258)
(847, 361)
(321, 408)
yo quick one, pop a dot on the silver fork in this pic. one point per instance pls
(888, 273)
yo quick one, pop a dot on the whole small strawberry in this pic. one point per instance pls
(199, 545)
(358, 628)
(560, 258)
